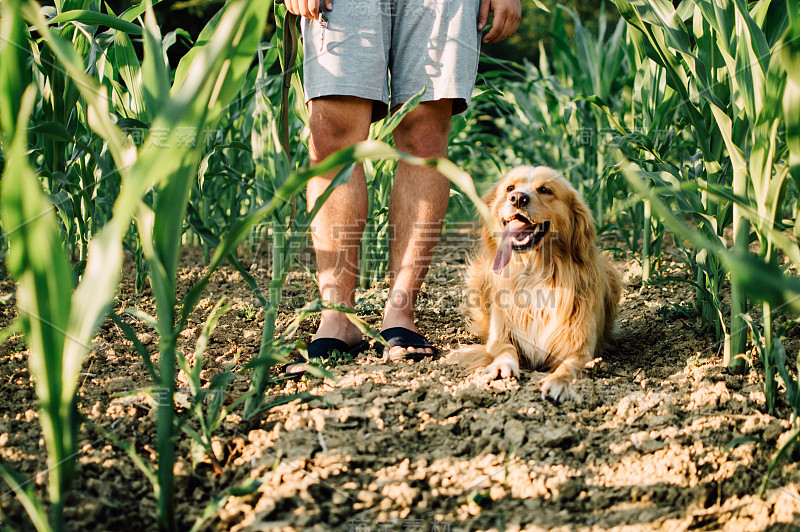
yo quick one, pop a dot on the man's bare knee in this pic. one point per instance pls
(425, 130)
(337, 122)
(331, 135)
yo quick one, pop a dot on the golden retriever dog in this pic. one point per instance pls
(542, 291)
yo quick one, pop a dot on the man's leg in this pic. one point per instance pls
(337, 122)
(416, 211)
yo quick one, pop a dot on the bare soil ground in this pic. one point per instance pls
(427, 446)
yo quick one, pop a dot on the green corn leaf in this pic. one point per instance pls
(221, 380)
(773, 18)
(135, 11)
(54, 130)
(722, 18)
(95, 18)
(790, 54)
(765, 221)
(792, 441)
(661, 13)
(155, 70)
(143, 316)
(204, 163)
(92, 299)
(343, 176)
(317, 306)
(95, 94)
(301, 397)
(391, 123)
(612, 58)
(207, 80)
(542, 6)
(223, 50)
(44, 278)
(15, 74)
(746, 439)
(57, 321)
(132, 337)
(246, 488)
(167, 227)
(768, 183)
(791, 383)
(651, 39)
(126, 63)
(752, 60)
(216, 313)
(200, 227)
(236, 29)
(132, 123)
(129, 449)
(182, 72)
(271, 162)
(756, 40)
(587, 76)
(723, 194)
(161, 280)
(23, 489)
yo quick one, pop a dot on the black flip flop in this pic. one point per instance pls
(321, 349)
(400, 336)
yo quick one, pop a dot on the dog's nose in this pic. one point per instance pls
(518, 199)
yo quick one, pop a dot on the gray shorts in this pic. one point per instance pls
(408, 44)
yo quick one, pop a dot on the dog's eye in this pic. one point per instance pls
(544, 190)
(509, 188)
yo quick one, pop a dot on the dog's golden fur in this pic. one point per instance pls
(553, 304)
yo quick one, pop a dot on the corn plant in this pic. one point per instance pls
(57, 317)
(763, 281)
(206, 403)
(77, 173)
(724, 72)
(59, 321)
(792, 391)
(228, 184)
(51, 317)
(227, 44)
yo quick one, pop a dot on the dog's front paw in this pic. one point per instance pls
(557, 388)
(501, 369)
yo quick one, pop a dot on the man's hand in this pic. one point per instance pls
(507, 14)
(307, 8)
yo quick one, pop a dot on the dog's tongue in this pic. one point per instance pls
(503, 255)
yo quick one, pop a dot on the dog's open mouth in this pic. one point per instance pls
(519, 234)
(524, 234)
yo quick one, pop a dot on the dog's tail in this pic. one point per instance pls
(472, 356)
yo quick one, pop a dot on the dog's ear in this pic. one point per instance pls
(486, 232)
(583, 232)
(489, 197)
